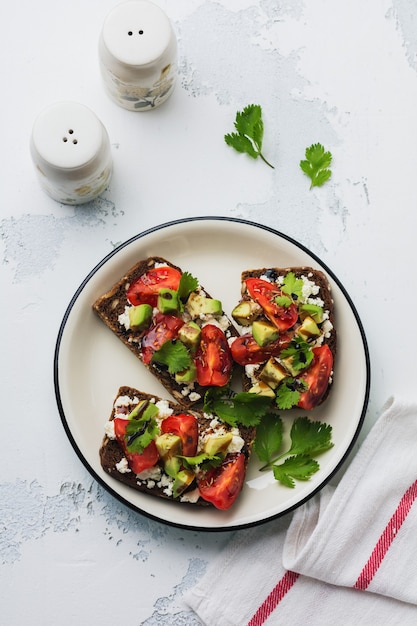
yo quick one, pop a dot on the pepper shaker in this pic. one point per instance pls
(138, 55)
(70, 149)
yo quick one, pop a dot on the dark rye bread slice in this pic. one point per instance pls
(111, 453)
(112, 304)
(325, 294)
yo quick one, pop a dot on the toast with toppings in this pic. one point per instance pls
(155, 447)
(288, 341)
(169, 321)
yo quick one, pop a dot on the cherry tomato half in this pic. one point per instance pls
(145, 289)
(222, 485)
(186, 427)
(246, 350)
(317, 378)
(213, 359)
(265, 293)
(164, 328)
(137, 462)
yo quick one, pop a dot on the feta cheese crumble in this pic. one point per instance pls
(122, 466)
(124, 319)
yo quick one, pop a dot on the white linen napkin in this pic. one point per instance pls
(360, 536)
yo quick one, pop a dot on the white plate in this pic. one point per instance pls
(91, 363)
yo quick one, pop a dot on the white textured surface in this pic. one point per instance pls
(344, 74)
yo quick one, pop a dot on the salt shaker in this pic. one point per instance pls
(71, 152)
(138, 55)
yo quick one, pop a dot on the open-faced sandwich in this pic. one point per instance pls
(288, 341)
(172, 325)
(154, 446)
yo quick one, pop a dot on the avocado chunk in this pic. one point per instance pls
(288, 364)
(262, 389)
(172, 466)
(140, 316)
(188, 375)
(189, 335)
(182, 481)
(264, 332)
(309, 329)
(272, 373)
(198, 304)
(218, 444)
(169, 446)
(168, 302)
(313, 310)
(246, 312)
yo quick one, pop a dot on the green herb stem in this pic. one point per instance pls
(265, 161)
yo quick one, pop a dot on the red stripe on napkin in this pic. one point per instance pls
(273, 599)
(387, 537)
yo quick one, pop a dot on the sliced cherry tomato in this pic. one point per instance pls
(245, 350)
(317, 378)
(222, 485)
(164, 328)
(186, 427)
(265, 293)
(137, 462)
(144, 290)
(213, 359)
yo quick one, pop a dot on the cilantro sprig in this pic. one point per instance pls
(316, 164)
(308, 440)
(300, 352)
(292, 289)
(289, 392)
(203, 460)
(236, 408)
(250, 131)
(300, 467)
(174, 355)
(140, 433)
(188, 283)
(292, 286)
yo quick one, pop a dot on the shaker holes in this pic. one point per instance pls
(130, 32)
(70, 132)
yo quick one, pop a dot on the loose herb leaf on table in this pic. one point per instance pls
(250, 131)
(316, 164)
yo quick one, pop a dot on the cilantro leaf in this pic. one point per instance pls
(287, 395)
(241, 408)
(308, 437)
(140, 433)
(283, 301)
(188, 283)
(174, 354)
(292, 285)
(316, 164)
(268, 437)
(250, 132)
(205, 460)
(300, 353)
(300, 467)
(241, 144)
